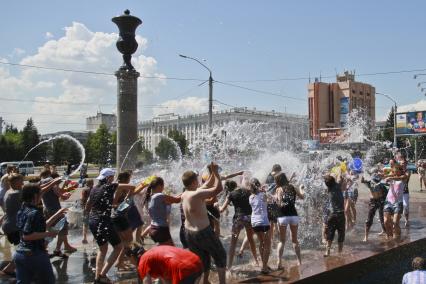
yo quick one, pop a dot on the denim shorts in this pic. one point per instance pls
(393, 208)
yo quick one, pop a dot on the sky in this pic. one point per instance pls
(249, 44)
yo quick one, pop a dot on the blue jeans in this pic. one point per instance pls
(33, 266)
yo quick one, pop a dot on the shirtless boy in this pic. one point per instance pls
(199, 234)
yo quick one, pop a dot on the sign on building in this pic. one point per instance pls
(411, 123)
(344, 111)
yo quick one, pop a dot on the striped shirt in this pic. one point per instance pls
(415, 277)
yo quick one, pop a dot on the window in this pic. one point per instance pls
(353, 91)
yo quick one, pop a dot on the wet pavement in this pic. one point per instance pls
(76, 269)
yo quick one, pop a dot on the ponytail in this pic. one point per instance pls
(156, 182)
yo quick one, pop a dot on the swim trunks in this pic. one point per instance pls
(206, 245)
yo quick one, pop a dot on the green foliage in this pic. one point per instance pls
(30, 138)
(166, 150)
(62, 150)
(146, 157)
(101, 147)
(180, 139)
(388, 131)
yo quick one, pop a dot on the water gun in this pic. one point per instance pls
(72, 185)
(356, 165)
(342, 168)
(148, 180)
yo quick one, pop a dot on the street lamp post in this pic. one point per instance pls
(394, 116)
(210, 90)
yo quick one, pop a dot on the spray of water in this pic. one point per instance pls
(128, 152)
(62, 136)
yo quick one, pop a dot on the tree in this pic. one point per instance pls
(101, 147)
(31, 138)
(388, 132)
(180, 139)
(146, 157)
(166, 149)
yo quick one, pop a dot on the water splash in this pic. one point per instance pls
(62, 136)
(128, 152)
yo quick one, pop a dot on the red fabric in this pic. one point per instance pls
(170, 263)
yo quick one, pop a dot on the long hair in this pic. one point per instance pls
(156, 182)
(255, 186)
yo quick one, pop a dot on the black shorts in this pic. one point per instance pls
(103, 231)
(273, 212)
(160, 234)
(206, 245)
(261, 229)
(120, 222)
(13, 238)
(336, 222)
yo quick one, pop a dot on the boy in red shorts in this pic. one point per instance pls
(170, 264)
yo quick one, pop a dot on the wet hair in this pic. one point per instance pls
(89, 181)
(276, 168)
(29, 191)
(124, 177)
(135, 251)
(45, 174)
(189, 177)
(329, 180)
(9, 169)
(156, 182)
(255, 185)
(15, 178)
(34, 180)
(418, 263)
(230, 185)
(281, 179)
(54, 175)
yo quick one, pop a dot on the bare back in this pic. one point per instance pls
(194, 208)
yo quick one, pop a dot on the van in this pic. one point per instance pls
(25, 167)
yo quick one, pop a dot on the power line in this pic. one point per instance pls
(95, 72)
(75, 103)
(325, 77)
(225, 104)
(260, 91)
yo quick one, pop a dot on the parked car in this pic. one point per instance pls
(25, 167)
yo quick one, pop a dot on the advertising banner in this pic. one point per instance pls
(411, 123)
(344, 111)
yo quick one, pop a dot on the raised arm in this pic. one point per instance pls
(45, 187)
(300, 191)
(169, 199)
(224, 205)
(232, 175)
(213, 190)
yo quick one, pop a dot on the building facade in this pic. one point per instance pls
(330, 103)
(93, 122)
(195, 126)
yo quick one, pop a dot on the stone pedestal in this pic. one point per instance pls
(127, 116)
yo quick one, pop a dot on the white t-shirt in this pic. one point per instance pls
(259, 210)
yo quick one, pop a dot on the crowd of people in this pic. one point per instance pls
(114, 211)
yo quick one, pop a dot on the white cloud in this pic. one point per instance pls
(57, 92)
(48, 35)
(189, 105)
(418, 106)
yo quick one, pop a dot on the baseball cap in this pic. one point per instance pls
(107, 172)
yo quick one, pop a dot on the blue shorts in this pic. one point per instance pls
(393, 208)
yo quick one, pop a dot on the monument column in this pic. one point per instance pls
(127, 90)
(127, 116)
